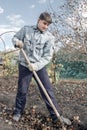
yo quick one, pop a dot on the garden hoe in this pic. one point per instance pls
(44, 90)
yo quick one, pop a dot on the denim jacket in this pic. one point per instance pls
(39, 46)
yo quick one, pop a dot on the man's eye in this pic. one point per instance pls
(45, 24)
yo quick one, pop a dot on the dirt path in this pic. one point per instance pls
(71, 96)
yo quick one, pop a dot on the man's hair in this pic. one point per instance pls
(46, 16)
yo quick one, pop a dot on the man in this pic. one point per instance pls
(38, 44)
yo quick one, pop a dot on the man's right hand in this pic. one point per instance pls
(19, 44)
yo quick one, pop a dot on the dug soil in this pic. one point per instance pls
(71, 96)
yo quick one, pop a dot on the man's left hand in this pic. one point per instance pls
(31, 67)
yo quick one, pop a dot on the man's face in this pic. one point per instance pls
(42, 25)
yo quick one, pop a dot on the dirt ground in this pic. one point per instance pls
(71, 96)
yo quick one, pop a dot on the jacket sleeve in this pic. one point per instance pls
(18, 36)
(47, 54)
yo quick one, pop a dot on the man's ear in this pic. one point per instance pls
(38, 20)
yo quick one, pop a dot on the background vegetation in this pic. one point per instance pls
(70, 30)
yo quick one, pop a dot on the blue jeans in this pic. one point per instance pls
(25, 77)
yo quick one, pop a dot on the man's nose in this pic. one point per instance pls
(46, 26)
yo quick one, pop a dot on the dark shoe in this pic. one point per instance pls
(16, 117)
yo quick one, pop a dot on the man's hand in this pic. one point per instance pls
(31, 67)
(19, 44)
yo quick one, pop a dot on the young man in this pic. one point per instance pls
(38, 43)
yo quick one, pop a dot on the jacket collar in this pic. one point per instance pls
(37, 30)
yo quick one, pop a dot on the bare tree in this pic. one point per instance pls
(70, 28)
